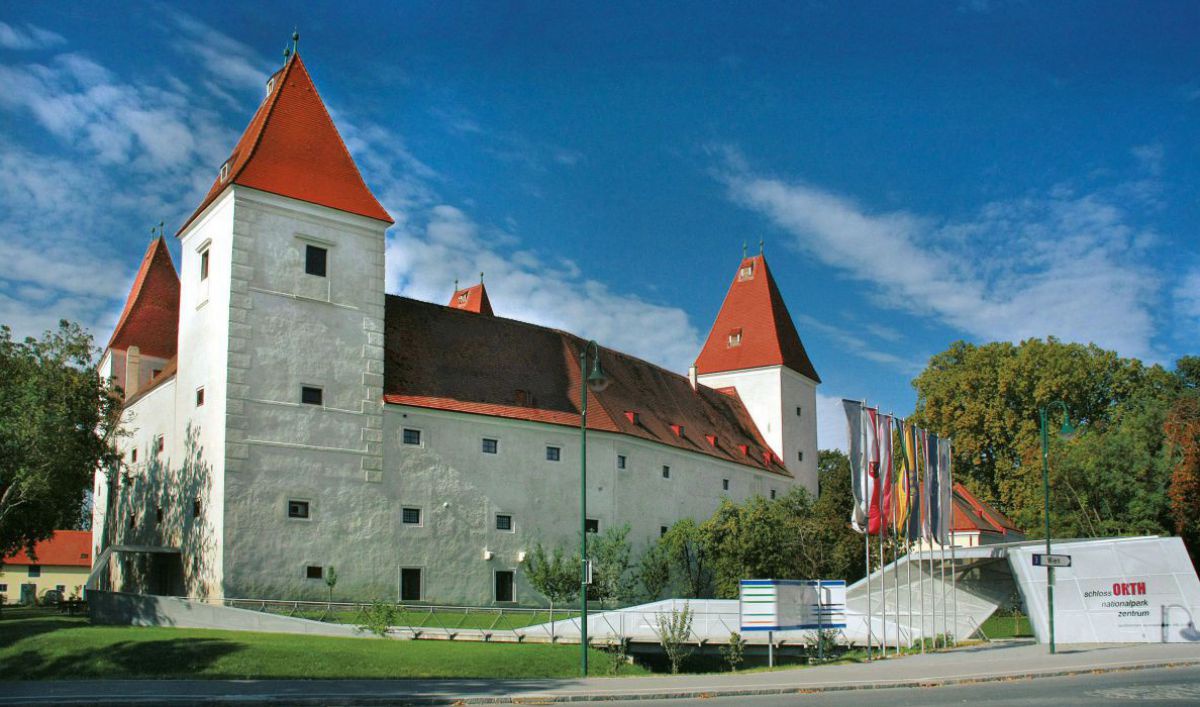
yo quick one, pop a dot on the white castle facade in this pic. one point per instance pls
(286, 415)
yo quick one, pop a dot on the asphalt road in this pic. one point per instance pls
(1169, 686)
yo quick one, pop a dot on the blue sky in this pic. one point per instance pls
(919, 172)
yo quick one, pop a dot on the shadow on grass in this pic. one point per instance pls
(128, 659)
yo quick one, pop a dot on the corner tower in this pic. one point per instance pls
(754, 348)
(281, 326)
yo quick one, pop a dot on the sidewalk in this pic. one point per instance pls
(999, 661)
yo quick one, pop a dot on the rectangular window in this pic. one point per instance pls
(592, 525)
(35, 570)
(724, 484)
(315, 260)
(772, 494)
(662, 530)
(410, 584)
(666, 471)
(196, 508)
(410, 516)
(797, 411)
(311, 395)
(3, 587)
(800, 456)
(553, 454)
(620, 461)
(314, 572)
(490, 446)
(158, 515)
(503, 521)
(200, 396)
(204, 264)
(160, 443)
(504, 586)
(297, 509)
(412, 436)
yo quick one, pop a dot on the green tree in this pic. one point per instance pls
(1183, 438)
(756, 539)
(555, 576)
(612, 578)
(654, 571)
(684, 544)
(331, 580)
(59, 423)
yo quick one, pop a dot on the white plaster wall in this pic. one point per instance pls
(771, 395)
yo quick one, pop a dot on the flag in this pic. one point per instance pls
(904, 499)
(946, 490)
(933, 480)
(858, 467)
(871, 425)
(887, 475)
(914, 482)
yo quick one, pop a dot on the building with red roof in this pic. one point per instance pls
(60, 564)
(297, 418)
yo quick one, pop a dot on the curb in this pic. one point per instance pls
(552, 698)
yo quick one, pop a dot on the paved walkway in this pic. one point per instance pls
(998, 661)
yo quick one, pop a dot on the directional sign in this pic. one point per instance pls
(1044, 560)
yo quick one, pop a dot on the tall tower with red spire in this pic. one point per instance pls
(281, 333)
(754, 348)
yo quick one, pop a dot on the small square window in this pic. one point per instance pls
(662, 530)
(800, 456)
(196, 508)
(592, 525)
(553, 454)
(199, 397)
(666, 471)
(315, 260)
(158, 515)
(621, 461)
(35, 570)
(314, 572)
(312, 395)
(410, 516)
(798, 411)
(772, 494)
(412, 436)
(204, 264)
(297, 509)
(724, 484)
(504, 521)
(3, 587)
(160, 443)
(490, 446)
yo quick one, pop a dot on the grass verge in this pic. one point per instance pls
(51, 647)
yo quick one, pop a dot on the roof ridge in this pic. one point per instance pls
(273, 98)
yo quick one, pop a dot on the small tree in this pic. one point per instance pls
(734, 651)
(610, 552)
(673, 630)
(331, 580)
(654, 571)
(555, 577)
(379, 617)
(685, 546)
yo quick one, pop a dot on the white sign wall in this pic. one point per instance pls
(1117, 590)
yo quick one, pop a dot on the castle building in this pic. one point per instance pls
(287, 417)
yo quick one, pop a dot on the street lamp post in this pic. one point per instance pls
(1067, 431)
(597, 381)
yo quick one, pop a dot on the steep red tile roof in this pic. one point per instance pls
(292, 148)
(447, 359)
(753, 328)
(65, 547)
(971, 514)
(472, 299)
(150, 319)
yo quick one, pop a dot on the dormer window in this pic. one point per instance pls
(270, 85)
(223, 175)
(735, 338)
(746, 273)
(462, 299)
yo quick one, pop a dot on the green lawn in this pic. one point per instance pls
(999, 626)
(40, 646)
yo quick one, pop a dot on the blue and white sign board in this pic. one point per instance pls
(792, 604)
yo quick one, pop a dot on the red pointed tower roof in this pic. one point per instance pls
(150, 319)
(472, 299)
(753, 328)
(292, 148)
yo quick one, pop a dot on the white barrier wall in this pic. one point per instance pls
(1117, 590)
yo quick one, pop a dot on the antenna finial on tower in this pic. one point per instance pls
(743, 250)
(760, 246)
(295, 40)
(481, 278)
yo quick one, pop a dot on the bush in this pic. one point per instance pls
(734, 651)
(379, 617)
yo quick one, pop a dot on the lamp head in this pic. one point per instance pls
(598, 380)
(1068, 430)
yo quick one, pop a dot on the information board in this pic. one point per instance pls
(792, 604)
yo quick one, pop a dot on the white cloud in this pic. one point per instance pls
(424, 261)
(1187, 296)
(1060, 264)
(31, 37)
(234, 63)
(1149, 157)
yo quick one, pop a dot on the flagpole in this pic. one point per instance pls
(867, 529)
(953, 560)
(895, 534)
